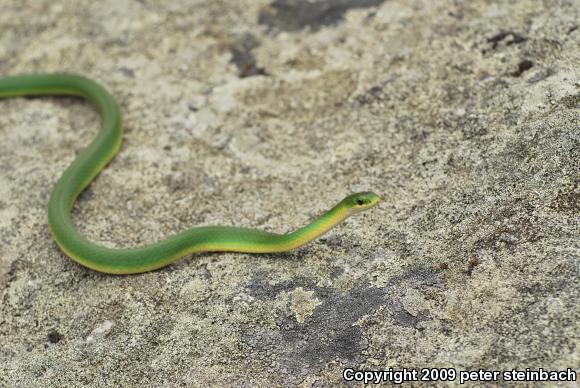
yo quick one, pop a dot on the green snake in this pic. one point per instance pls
(97, 155)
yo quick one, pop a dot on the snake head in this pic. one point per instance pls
(358, 202)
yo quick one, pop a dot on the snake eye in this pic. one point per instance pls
(359, 201)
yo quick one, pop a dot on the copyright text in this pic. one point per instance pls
(400, 376)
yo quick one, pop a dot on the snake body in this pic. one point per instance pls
(101, 150)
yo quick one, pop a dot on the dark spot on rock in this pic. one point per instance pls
(405, 319)
(571, 102)
(473, 262)
(508, 36)
(331, 332)
(244, 59)
(472, 127)
(416, 276)
(86, 195)
(371, 15)
(377, 93)
(14, 267)
(17, 268)
(336, 271)
(567, 199)
(294, 15)
(260, 287)
(54, 337)
(246, 64)
(441, 266)
(523, 66)
(127, 71)
(328, 334)
(332, 241)
(426, 163)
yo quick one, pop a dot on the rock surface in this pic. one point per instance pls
(465, 116)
